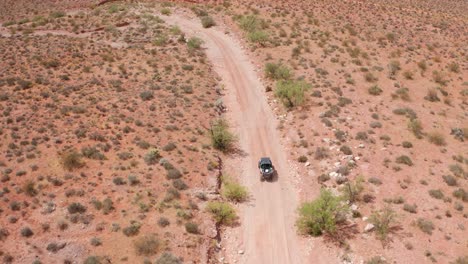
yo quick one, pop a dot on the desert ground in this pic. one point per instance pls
(131, 131)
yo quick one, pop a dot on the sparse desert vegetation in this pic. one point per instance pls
(112, 138)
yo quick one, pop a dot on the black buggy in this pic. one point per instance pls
(266, 169)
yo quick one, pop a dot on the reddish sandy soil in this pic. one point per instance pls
(111, 84)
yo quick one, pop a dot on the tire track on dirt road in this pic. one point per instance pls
(267, 233)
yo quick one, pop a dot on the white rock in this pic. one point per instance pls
(361, 145)
(307, 164)
(369, 227)
(357, 158)
(365, 218)
(337, 164)
(240, 252)
(354, 207)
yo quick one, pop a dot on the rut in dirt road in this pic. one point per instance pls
(267, 232)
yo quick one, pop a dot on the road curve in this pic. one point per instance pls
(267, 233)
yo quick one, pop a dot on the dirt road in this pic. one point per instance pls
(266, 233)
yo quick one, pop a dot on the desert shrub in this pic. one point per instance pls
(192, 228)
(323, 178)
(26, 232)
(460, 260)
(260, 37)
(163, 222)
(457, 170)
(93, 260)
(415, 126)
(166, 11)
(407, 144)
(437, 138)
(376, 260)
(291, 92)
(173, 174)
(370, 77)
(454, 67)
(233, 191)
(375, 124)
(221, 138)
(168, 258)
(383, 221)
(147, 95)
(222, 212)
(170, 146)
(410, 208)
(147, 245)
(393, 68)
(352, 190)
(277, 71)
(118, 181)
(321, 153)
(179, 184)
(152, 156)
(251, 23)
(76, 208)
(29, 188)
(92, 153)
(95, 241)
(346, 150)
(160, 40)
(57, 14)
(4, 234)
(439, 78)
(425, 225)
(133, 180)
(207, 21)
(432, 96)
(375, 181)
(302, 159)
(107, 206)
(436, 193)
(171, 194)
(321, 215)
(408, 75)
(461, 194)
(450, 180)
(403, 159)
(71, 160)
(194, 43)
(362, 135)
(375, 90)
(132, 230)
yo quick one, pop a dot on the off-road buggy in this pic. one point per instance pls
(266, 169)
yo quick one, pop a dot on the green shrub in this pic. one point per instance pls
(194, 43)
(221, 138)
(233, 191)
(346, 150)
(376, 260)
(321, 215)
(251, 23)
(72, 160)
(352, 190)
(147, 245)
(432, 96)
(403, 159)
(166, 11)
(173, 174)
(207, 21)
(383, 221)
(192, 228)
(260, 37)
(375, 90)
(152, 156)
(291, 92)
(222, 212)
(92, 153)
(461, 194)
(132, 230)
(277, 71)
(425, 225)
